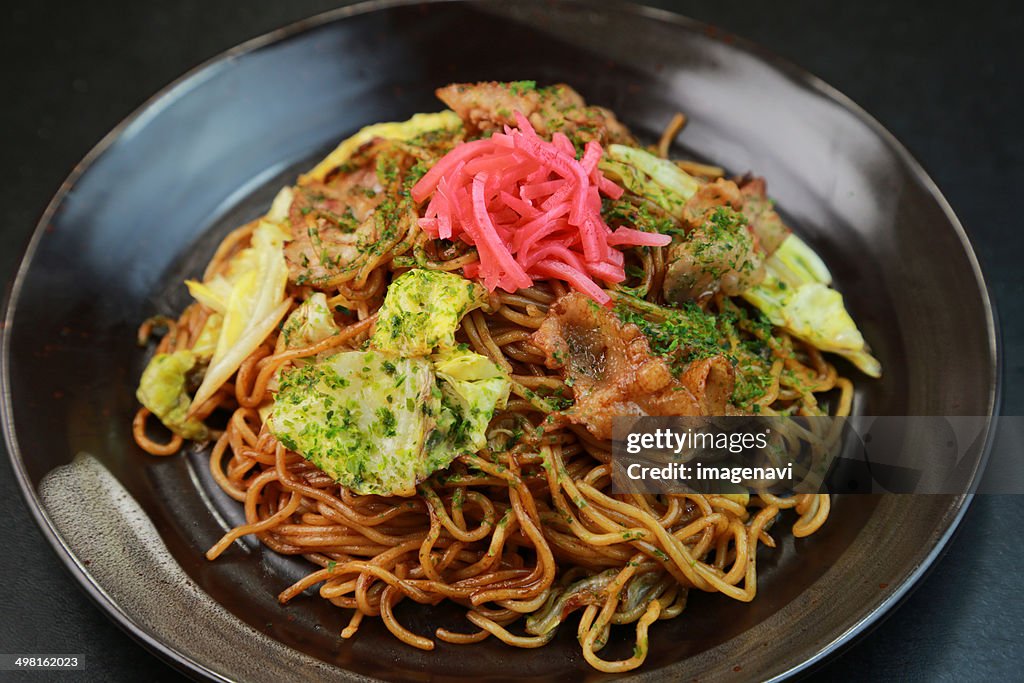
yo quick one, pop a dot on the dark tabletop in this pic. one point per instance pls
(946, 81)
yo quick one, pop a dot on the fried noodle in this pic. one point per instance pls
(520, 537)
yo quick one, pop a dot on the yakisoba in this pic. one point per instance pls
(591, 275)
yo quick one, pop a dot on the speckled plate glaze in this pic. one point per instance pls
(147, 206)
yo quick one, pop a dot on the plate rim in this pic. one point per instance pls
(180, 87)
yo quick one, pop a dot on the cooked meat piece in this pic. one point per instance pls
(613, 373)
(719, 252)
(717, 256)
(487, 107)
(761, 215)
(711, 380)
(336, 222)
(711, 196)
(330, 223)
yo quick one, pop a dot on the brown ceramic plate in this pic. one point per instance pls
(146, 207)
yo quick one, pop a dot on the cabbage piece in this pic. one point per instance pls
(278, 211)
(252, 301)
(247, 303)
(206, 343)
(546, 619)
(472, 387)
(362, 417)
(795, 263)
(310, 323)
(422, 309)
(382, 420)
(651, 177)
(379, 423)
(404, 130)
(215, 292)
(162, 391)
(795, 295)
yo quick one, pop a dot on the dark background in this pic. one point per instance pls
(945, 79)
